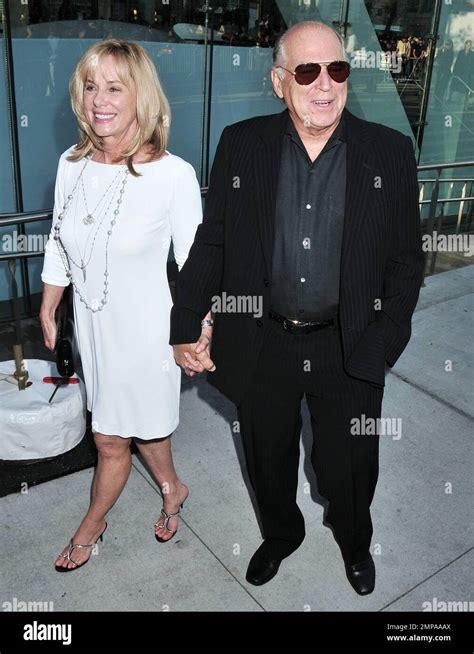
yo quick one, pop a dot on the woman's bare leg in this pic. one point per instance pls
(111, 474)
(158, 458)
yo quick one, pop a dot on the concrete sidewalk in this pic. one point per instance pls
(423, 539)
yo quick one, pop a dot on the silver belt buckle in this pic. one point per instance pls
(289, 324)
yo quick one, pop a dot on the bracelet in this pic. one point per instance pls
(207, 323)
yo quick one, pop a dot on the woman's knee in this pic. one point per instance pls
(111, 446)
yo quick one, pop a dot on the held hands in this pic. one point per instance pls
(195, 357)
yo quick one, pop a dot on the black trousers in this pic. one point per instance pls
(345, 463)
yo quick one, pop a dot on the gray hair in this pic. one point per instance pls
(280, 54)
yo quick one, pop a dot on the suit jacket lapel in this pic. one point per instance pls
(359, 179)
(266, 165)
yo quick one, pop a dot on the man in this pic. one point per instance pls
(444, 59)
(463, 70)
(403, 50)
(306, 212)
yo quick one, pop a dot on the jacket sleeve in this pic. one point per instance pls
(404, 269)
(200, 277)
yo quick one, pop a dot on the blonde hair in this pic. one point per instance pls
(134, 66)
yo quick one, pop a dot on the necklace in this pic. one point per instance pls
(89, 217)
(82, 265)
(65, 257)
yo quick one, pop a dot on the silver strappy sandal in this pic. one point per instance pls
(167, 517)
(71, 549)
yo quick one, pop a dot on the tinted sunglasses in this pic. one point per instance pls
(306, 73)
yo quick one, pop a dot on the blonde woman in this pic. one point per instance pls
(120, 199)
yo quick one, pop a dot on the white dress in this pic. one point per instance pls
(132, 381)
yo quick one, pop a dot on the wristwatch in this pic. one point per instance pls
(207, 323)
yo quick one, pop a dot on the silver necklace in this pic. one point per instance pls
(82, 265)
(65, 257)
(89, 217)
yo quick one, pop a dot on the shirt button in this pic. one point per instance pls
(303, 279)
(308, 206)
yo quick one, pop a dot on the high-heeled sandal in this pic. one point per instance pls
(165, 524)
(71, 549)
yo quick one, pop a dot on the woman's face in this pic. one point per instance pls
(110, 106)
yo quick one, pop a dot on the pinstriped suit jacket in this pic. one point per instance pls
(381, 259)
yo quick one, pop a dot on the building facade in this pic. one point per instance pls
(214, 61)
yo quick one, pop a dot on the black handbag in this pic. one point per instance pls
(65, 348)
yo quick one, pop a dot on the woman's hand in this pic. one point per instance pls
(193, 358)
(51, 298)
(49, 327)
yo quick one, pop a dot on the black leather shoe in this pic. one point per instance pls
(262, 568)
(362, 575)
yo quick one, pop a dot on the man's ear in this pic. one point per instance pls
(276, 81)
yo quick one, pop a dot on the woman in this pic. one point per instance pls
(120, 199)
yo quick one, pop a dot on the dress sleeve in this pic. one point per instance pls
(185, 213)
(53, 269)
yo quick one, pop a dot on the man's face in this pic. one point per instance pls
(468, 46)
(319, 105)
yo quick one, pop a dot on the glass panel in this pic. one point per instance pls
(46, 51)
(241, 73)
(449, 134)
(241, 83)
(402, 28)
(7, 194)
(372, 87)
(47, 45)
(218, 59)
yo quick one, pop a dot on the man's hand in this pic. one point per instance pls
(195, 357)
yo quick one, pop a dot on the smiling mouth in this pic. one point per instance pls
(104, 116)
(322, 103)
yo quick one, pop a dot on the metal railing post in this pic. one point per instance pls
(431, 215)
(461, 208)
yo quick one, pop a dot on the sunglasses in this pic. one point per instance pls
(306, 73)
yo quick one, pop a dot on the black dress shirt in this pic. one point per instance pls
(308, 227)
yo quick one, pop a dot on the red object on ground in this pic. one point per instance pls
(61, 380)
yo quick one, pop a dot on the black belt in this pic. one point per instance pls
(300, 327)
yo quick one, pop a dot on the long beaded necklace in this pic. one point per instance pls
(83, 265)
(64, 255)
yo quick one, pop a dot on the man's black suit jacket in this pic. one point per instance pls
(381, 259)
